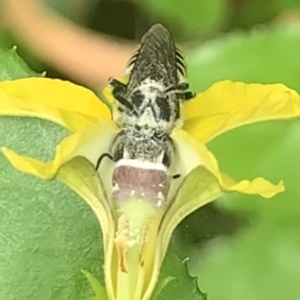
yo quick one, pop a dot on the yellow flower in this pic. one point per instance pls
(136, 231)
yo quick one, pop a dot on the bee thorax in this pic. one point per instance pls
(142, 143)
(143, 146)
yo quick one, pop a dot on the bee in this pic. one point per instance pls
(148, 106)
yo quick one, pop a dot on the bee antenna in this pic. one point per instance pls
(108, 155)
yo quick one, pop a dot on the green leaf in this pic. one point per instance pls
(49, 234)
(264, 56)
(13, 66)
(98, 288)
(255, 12)
(261, 263)
(161, 284)
(182, 286)
(274, 155)
(194, 15)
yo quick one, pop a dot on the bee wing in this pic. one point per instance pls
(157, 59)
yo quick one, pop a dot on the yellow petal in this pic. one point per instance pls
(91, 143)
(228, 104)
(199, 188)
(80, 175)
(62, 102)
(258, 186)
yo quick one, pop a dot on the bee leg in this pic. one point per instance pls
(118, 89)
(185, 95)
(166, 162)
(115, 83)
(108, 155)
(123, 102)
(183, 86)
(189, 95)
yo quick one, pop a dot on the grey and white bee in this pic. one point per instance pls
(148, 106)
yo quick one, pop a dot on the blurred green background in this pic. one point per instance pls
(240, 247)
